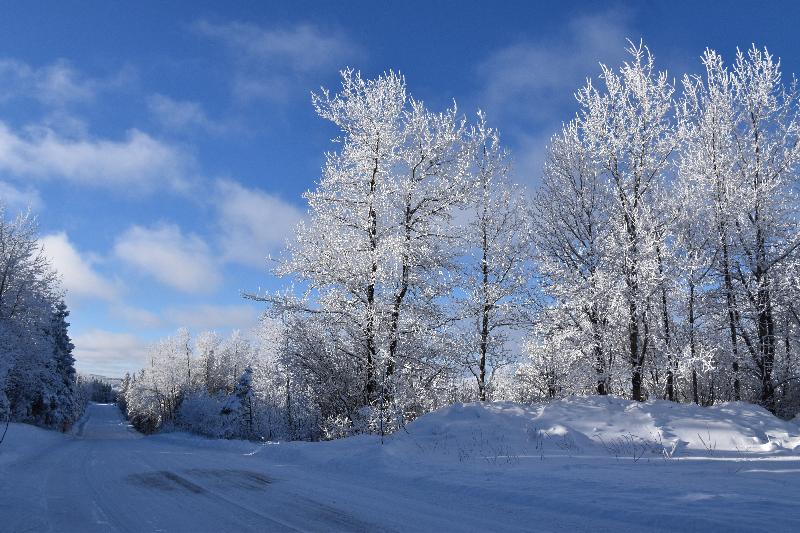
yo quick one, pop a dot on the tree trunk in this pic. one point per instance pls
(766, 343)
(633, 340)
(370, 384)
(636, 352)
(733, 319)
(484, 323)
(597, 352)
(394, 325)
(765, 320)
(692, 341)
(667, 337)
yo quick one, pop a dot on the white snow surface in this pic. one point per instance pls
(579, 464)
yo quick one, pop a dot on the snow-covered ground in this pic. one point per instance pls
(599, 464)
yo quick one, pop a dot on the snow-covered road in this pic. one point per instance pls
(110, 478)
(495, 467)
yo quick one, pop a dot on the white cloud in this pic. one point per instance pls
(19, 199)
(272, 60)
(80, 279)
(138, 161)
(109, 353)
(253, 223)
(204, 317)
(179, 261)
(266, 87)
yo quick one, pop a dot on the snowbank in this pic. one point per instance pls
(24, 442)
(598, 425)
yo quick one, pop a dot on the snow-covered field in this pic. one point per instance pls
(599, 464)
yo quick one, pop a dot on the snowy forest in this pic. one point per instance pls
(656, 258)
(38, 383)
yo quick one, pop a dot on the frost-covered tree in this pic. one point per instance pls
(628, 130)
(573, 249)
(63, 403)
(767, 137)
(377, 248)
(344, 249)
(741, 132)
(243, 393)
(37, 375)
(497, 239)
(707, 163)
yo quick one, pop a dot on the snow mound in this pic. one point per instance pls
(24, 442)
(505, 431)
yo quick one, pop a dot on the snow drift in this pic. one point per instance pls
(599, 424)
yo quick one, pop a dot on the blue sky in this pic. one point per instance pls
(165, 145)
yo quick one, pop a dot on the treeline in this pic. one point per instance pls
(212, 386)
(657, 257)
(37, 373)
(93, 389)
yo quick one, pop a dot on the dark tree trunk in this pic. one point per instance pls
(733, 319)
(636, 352)
(692, 340)
(485, 308)
(667, 334)
(766, 343)
(597, 349)
(765, 320)
(394, 326)
(370, 385)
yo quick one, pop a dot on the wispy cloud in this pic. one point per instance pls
(184, 115)
(253, 223)
(531, 84)
(271, 61)
(181, 261)
(138, 161)
(19, 199)
(55, 84)
(299, 48)
(535, 79)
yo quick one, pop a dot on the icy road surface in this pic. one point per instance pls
(495, 467)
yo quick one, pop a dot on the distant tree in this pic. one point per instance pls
(243, 392)
(63, 405)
